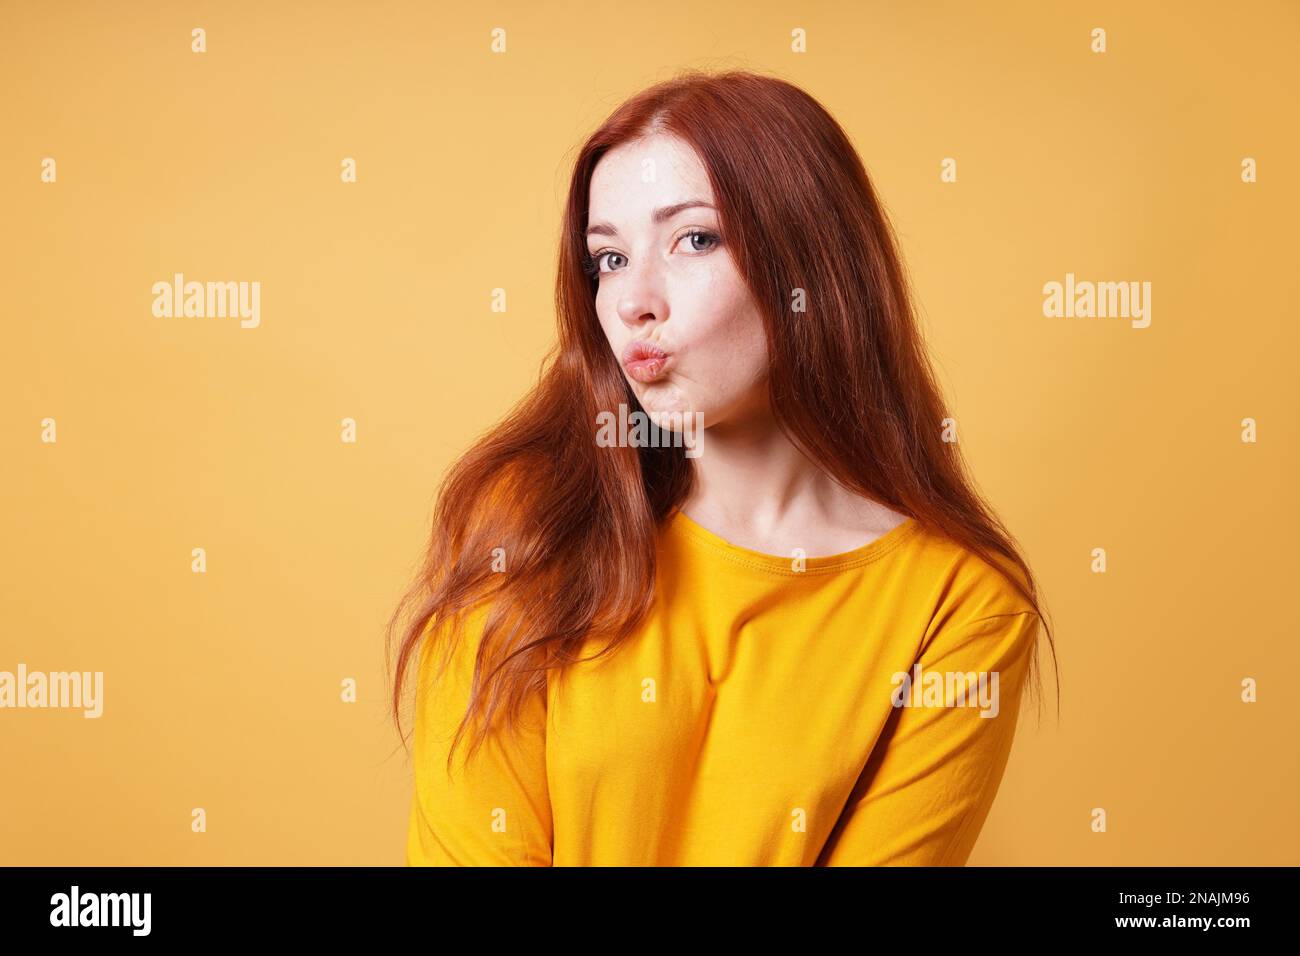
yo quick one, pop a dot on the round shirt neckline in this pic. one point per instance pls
(760, 560)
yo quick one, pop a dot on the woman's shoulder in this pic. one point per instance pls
(968, 586)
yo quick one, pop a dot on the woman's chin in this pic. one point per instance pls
(662, 399)
(673, 420)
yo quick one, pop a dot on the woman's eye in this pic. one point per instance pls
(600, 257)
(711, 239)
(695, 240)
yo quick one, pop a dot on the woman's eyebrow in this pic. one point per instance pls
(660, 215)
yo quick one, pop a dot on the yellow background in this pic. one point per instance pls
(222, 690)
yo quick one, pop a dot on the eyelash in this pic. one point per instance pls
(591, 261)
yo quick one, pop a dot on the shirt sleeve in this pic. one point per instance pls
(491, 809)
(929, 783)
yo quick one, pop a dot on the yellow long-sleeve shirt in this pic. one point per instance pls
(759, 717)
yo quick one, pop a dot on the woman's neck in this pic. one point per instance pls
(756, 489)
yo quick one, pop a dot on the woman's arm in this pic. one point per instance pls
(493, 810)
(927, 788)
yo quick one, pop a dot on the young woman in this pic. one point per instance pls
(799, 638)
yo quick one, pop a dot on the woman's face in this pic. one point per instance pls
(675, 310)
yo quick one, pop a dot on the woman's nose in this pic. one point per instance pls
(642, 299)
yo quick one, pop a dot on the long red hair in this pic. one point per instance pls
(850, 383)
